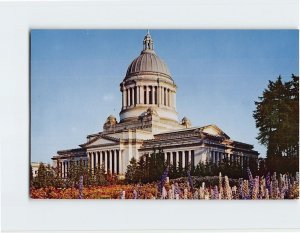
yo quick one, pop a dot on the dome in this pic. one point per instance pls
(148, 62)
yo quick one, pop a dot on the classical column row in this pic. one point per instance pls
(156, 95)
(216, 157)
(180, 158)
(110, 160)
(64, 166)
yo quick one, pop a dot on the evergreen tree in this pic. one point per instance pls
(100, 178)
(277, 118)
(45, 177)
(131, 172)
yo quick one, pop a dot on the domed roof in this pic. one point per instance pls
(148, 61)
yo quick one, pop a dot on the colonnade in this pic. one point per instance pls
(179, 158)
(65, 165)
(148, 94)
(216, 157)
(110, 160)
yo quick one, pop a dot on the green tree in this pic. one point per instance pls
(142, 174)
(99, 175)
(277, 118)
(156, 164)
(131, 172)
(45, 177)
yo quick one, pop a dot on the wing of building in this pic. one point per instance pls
(148, 120)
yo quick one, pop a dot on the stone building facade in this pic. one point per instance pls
(148, 120)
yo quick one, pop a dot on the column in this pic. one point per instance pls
(162, 96)
(104, 160)
(158, 95)
(168, 97)
(116, 157)
(110, 161)
(171, 101)
(121, 161)
(140, 94)
(117, 162)
(123, 100)
(107, 161)
(93, 161)
(133, 95)
(174, 99)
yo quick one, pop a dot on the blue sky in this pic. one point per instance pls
(75, 77)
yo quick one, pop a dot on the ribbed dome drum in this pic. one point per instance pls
(148, 62)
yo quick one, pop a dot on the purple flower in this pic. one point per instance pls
(190, 181)
(81, 187)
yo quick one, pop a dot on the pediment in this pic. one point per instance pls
(101, 141)
(214, 130)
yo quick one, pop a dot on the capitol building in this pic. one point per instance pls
(148, 119)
